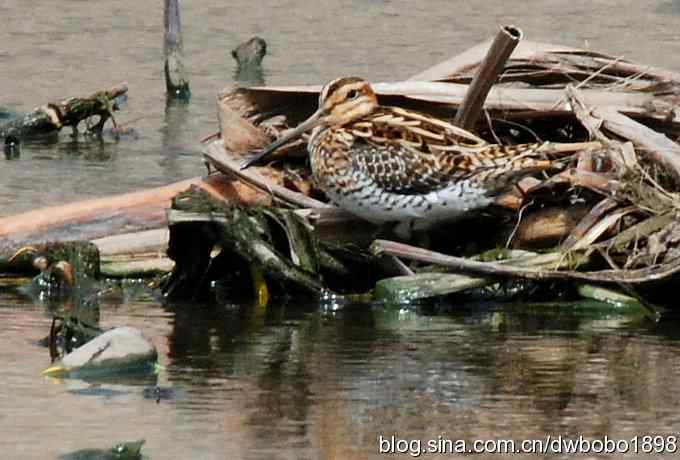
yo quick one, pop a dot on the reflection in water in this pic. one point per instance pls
(12, 147)
(299, 381)
(335, 382)
(88, 147)
(174, 133)
(250, 75)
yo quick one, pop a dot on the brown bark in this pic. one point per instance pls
(487, 73)
(654, 144)
(505, 102)
(529, 53)
(99, 217)
(238, 134)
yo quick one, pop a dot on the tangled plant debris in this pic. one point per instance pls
(610, 216)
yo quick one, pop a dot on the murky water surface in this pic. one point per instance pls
(304, 380)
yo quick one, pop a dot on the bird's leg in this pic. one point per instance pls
(404, 230)
(520, 191)
(407, 231)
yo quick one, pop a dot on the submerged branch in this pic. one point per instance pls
(495, 269)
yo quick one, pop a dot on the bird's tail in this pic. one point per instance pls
(497, 167)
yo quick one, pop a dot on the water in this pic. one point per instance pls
(51, 52)
(302, 380)
(309, 381)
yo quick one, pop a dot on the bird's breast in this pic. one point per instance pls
(329, 152)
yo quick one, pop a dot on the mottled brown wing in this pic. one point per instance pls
(495, 167)
(416, 130)
(409, 152)
(397, 170)
(400, 150)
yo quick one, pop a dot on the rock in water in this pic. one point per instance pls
(118, 350)
(250, 52)
(122, 451)
(249, 57)
(12, 147)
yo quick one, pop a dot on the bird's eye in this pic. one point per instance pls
(353, 94)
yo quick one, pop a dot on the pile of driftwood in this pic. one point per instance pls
(608, 218)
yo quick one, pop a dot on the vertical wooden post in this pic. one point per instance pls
(489, 69)
(176, 79)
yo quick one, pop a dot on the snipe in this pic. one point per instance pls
(389, 164)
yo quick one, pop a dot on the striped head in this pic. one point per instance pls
(345, 100)
(341, 101)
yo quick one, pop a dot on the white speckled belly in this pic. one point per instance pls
(369, 202)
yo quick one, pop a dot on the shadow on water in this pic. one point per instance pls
(86, 147)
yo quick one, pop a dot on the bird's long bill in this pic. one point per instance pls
(306, 125)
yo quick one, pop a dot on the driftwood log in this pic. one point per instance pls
(52, 117)
(546, 64)
(102, 217)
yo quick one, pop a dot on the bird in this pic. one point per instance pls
(390, 164)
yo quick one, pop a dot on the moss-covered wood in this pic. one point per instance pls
(276, 241)
(82, 256)
(52, 117)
